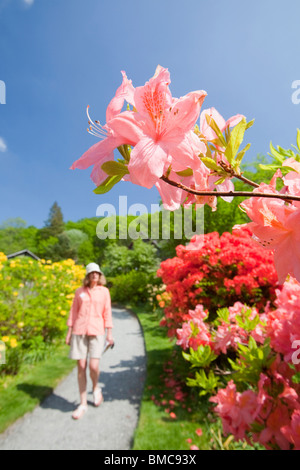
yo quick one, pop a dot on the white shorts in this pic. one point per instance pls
(83, 346)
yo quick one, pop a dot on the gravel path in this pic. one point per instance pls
(109, 427)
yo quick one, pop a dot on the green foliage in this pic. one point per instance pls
(141, 256)
(201, 357)
(252, 360)
(208, 382)
(280, 154)
(54, 225)
(35, 298)
(133, 288)
(17, 238)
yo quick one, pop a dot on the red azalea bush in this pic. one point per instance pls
(238, 329)
(223, 270)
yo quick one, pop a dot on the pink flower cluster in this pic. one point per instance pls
(276, 224)
(160, 131)
(270, 412)
(283, 324)
(270, 415)
(195, 331)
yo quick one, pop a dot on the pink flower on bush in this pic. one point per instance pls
(276, 225)
(194, 332)
(160, 129)
(237, 410)
(291, 431)
(283, 324)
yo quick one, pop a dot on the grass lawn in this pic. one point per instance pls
(22, 393)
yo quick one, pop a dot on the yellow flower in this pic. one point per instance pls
(5, 339)
(63, 313)
(15, 293)
(13, 343)
(21, 285)
(20, 324)
(2, 257)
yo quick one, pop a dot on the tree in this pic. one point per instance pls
(54, 225)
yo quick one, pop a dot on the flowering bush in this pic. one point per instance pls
(253, 356)
(35, 298)
(225, 269)
(161, 145)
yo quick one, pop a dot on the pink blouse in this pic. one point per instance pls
(91, 312)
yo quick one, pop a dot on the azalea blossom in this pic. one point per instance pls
(205, 128)
(159, 128)
(237, 410)
(276, 226)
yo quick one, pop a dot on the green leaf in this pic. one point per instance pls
(210, 163)
(275, 154)
(269, 167)
(187, 172)
(298, 138)
(212, 123)
(250, 124)
(236, 138)
(223, 314)
(125, 152)
(108, 184)
(296, 378)
(221, 180)
(240, 155)
(113, 168)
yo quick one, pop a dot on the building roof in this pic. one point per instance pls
(23, 253)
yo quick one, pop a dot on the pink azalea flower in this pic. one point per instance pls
(283, 324)
(193, 332)
(160, 130)
(207, 131)
(291, 431)
(276, 226)
(237, 410)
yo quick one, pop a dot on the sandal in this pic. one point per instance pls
(98, 397)
(79, 412)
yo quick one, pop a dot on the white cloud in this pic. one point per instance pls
(3, 146)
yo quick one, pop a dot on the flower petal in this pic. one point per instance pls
(124, 92)
(147, 162)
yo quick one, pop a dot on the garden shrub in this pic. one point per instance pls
(35, 298)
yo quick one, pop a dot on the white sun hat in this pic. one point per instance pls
(93, 267)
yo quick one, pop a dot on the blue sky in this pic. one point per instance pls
(58, 56)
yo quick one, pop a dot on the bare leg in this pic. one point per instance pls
(81, 369)
(94, 371)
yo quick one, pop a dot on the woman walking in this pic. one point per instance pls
(90, 318)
